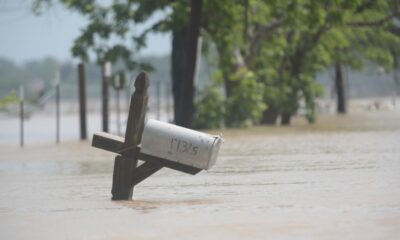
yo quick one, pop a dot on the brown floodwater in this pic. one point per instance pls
(337, 179)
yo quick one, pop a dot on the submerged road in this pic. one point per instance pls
(338, 179)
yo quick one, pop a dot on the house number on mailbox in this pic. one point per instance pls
(183, 146)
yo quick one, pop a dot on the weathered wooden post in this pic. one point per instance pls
(158, 144)
(124, 164)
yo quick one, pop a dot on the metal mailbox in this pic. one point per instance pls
(180, 144)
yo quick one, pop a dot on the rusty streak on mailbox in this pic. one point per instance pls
(157, 143)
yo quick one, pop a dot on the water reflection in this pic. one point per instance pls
(146, 206)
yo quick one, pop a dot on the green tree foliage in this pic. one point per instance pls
(245, 103)
(283, 45)
(210, 109)
(106, 22)
(117, 21)
(286, 43)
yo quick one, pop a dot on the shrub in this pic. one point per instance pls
(210, 109)
(245, 104)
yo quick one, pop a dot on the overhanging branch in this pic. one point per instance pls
(375, 23)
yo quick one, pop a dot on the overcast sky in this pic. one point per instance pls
(25, 36)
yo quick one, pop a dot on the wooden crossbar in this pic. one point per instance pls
(115, 144)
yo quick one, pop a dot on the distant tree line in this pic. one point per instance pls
(39, 75)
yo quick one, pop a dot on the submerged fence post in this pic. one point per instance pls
(158, 92)
(82, 100)
(118, 82)
(168, 99)
(21, 114)
(118, 112)
(58, 81)
(105, 76)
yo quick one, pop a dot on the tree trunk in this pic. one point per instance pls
(270, 115)
(177, 68)
(396, 73)
(186, 105)
(286, 118)
(340, 89)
